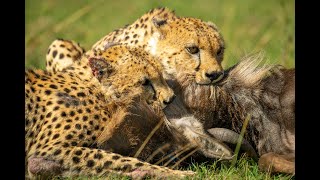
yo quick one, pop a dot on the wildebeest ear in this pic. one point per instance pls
(100, 67)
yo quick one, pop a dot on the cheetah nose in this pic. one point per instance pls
(215, 76)
(168, 101)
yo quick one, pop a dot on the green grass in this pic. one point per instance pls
(244, 169)
(247, 26)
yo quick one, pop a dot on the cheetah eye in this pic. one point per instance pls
(193, 49)
(220, 51)
(146, 82)
(100, 72)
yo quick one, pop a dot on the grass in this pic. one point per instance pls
(244, 169)
(247, 26)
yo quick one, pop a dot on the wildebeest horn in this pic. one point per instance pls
(229, 136)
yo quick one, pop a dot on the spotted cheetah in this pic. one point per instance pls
(189, 50)
(66, 116)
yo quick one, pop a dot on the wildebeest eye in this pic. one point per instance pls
(193, 49)
(146, 82)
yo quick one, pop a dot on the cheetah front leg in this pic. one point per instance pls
(84, 161)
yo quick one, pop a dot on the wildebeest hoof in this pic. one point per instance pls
(276, 163)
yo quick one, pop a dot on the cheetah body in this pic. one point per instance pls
(68, 116)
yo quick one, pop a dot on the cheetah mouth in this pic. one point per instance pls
(211, 81)
(224, 75)
(220, 78)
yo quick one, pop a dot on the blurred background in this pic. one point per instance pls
(247, 26)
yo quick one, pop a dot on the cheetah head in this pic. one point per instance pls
(186, 46)
(124, 74)
(189, 47)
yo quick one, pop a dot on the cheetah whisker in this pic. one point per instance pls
(212, 92)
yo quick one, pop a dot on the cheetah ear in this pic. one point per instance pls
(158, 22)
(214, 26)
(162, 16)
(100, 68)
(161, 20)
(161, 25)
(110, 44)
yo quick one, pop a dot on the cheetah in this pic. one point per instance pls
(189, 50)
(66, 116)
